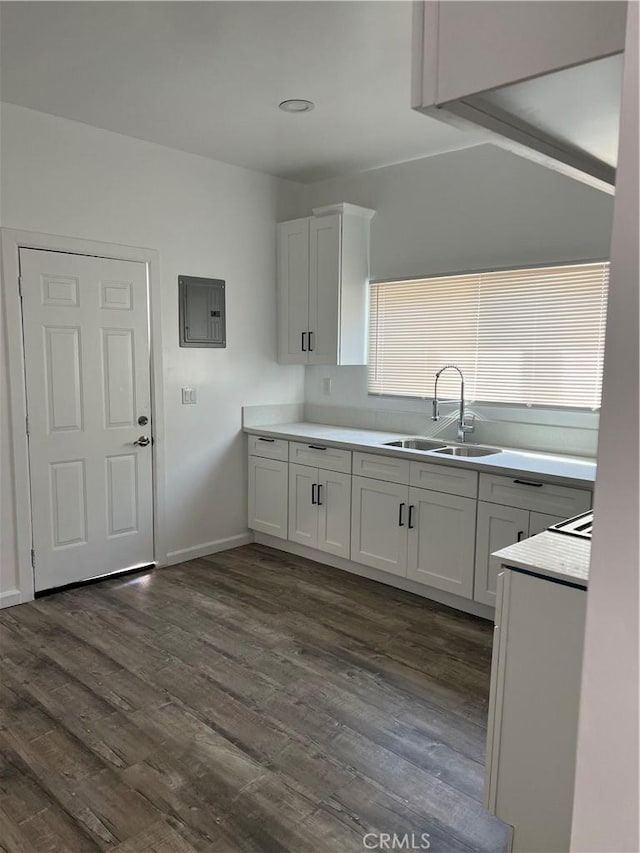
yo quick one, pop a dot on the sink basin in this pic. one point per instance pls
(468, 451)
(416, 444)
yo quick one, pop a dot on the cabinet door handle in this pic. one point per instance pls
(313, 493)
(302, 345)
(270, 440)
(319, 494)
(315, 447)
(310, 341)
(528, 483)
(520, 535)
(410, 524)
(401, 515)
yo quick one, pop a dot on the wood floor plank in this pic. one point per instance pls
(248, 701)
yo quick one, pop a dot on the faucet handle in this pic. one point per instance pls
(468, 422)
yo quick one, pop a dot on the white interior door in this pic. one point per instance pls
(86, 343)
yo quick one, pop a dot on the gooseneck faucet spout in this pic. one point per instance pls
(463, 427)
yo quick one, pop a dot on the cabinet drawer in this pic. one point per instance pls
(269, 448)
(528, 493)
(320, 456)
(440, 478)
(381, 467)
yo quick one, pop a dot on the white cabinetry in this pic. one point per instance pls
(268, 488)
(533, 709)
(319, 509)
(550, 93)
(323, 271)
(422, 534)
(511, 509)
(378, 524)
(441, 530)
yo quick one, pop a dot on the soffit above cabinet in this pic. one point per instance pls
(542, 79)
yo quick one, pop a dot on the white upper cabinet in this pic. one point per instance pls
(323, 272)
(542, 79)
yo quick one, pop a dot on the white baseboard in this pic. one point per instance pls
(473, 607)
(10, 597)
(207, 548)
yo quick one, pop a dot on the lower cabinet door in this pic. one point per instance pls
(268, 488)
(442, 539)
(498, 526)
(334, 513)
(303, 514)
(379, 512)
(539, 521)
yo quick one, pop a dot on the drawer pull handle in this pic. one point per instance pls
(400, 515)
(270, 440)
(527, 483)
(313, 494)
(410, 522)
(315, 447)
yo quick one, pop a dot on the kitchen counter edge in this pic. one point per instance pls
(562, 470)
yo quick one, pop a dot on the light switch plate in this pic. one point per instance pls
(188, 396)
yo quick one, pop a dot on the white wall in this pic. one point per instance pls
(206, 219)
(473, 209)
(606, 791)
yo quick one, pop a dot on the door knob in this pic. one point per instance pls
(142, 441)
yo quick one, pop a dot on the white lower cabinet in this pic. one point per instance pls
(319, 509)
(533, 709)
(498, 526)
(442, 533)
(420, 534)
(539, 521)
(268, 487)
(379, 524)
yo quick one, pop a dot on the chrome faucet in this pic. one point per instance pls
(463, 426)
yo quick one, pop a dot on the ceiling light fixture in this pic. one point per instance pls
(296, 105)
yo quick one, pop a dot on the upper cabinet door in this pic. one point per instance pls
(293, 292)
(324, 288)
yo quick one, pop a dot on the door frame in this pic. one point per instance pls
(11, 241)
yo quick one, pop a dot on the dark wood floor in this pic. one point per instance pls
(247, 701)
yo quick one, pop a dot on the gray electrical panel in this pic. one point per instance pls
(202, 312)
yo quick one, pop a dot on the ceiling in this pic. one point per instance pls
(207, 77)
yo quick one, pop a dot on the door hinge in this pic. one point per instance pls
(33, 559)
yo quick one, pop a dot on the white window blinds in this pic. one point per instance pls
(533, 336)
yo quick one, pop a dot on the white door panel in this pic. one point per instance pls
(268, 489)
(324, 288)
(498, 526)
(379, 524)
(334, 513)
(442, 536)
(293, 292)
(303, 508)
(86, 344)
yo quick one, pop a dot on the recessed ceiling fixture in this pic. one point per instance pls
(296, 105)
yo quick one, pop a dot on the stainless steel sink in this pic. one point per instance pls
(468, 451)
(416, 444)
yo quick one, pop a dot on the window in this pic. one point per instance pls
(533, 336)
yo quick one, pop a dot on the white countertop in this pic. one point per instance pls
(550, 555)
(564, 470)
